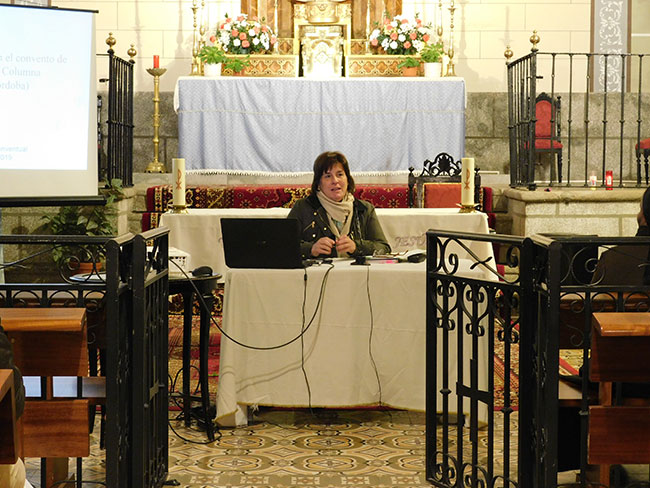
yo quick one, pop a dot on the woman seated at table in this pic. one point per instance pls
(333, 222)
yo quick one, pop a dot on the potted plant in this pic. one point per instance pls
(431, 55)
(212, 57)
(82, 221)
(409, 66)
(237, 65)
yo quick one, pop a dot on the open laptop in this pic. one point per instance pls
(261, 243)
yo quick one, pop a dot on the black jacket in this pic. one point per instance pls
(365, 229)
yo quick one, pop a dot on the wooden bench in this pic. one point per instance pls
(619, 353)
(50, 342)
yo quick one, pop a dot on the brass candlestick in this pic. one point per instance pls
(156, 166)
(439, 23)
(196, 64)
(467, 208)
(451, 70)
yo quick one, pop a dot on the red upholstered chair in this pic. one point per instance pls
(438, 185)
(644, 146)
(547, 129)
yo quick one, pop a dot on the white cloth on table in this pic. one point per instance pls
(264, 308)
(199, 232)
(279, 125)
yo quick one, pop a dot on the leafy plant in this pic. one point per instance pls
(409, 62)
(212, 54)
(82, 221)
(432, 53)
(237, 64)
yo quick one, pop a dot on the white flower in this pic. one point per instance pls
(384, 43)
(374, 34)
(394, 23)
(401, 38)
(265, 44)
(256, 41)
(423, 30)
(251, 33)
(393, 45)
(418, 45)
(236, 42)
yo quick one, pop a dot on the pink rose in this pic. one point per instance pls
(242, 36)
(212, 39)
(374, 42)
(418, 22)
(407, 45)
(386, 21)
(245, 44)
(228, 20)
(254, 19)
(240, 18)
(222, 26)
(264, 28)
(234, 32)
(273, 39)
(425, 37)
(405, 21)
(257, 30)
(413, 36)
(393, 36)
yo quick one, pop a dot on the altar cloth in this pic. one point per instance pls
(279, 125)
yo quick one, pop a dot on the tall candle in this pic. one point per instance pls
(467, 182)
(178, 185)
(156, 61)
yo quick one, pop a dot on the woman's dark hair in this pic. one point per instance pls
(645, 205)
(324, 162)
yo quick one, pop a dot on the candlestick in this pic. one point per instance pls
(439, 22)
(195, 70)
(467, 182)
(275, 20)
(156, 166)
(178, 186)
(451, 70)
(156, 61)
(367, 26)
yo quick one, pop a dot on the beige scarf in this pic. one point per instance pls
(340, 212)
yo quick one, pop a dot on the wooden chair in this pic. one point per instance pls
(547, 130)
(643, 146)
(439, 184)
(8, 428)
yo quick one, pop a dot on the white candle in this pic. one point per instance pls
(178, 183)
(467, 182)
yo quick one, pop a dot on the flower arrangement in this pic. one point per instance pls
(241, 35)
(400, 35)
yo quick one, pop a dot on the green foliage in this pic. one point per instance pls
(432, 53)
(409, 62)
(212, 54)
(91, 220)
(237, 64)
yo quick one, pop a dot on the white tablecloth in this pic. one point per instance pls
(199, 232)
(276, 125)
(378, 308)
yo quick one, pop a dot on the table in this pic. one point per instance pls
(254, 124)
(336, 349)
(185, 286)
(199, 232)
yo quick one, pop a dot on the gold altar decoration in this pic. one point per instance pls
(322, 52)
(451, 70)
(275, 65)
(322, 12)
(376, 65)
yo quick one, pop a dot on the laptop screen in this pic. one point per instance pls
(261, 243)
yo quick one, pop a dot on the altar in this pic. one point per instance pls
(279, 125)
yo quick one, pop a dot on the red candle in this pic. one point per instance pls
(156, 61)
(609, 179)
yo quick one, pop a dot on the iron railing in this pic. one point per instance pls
(128, 303)
(512, 437)
(119, 146)
(599, 129)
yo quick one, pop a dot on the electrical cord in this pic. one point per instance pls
(372, 326)
(302, 341)
(248, 346)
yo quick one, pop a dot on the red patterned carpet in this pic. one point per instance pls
(176, 354)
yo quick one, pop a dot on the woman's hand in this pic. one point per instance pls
(345, 244)
(323, 245)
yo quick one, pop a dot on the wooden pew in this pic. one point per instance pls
(8, 429)
(51, 342)
(619, 353)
